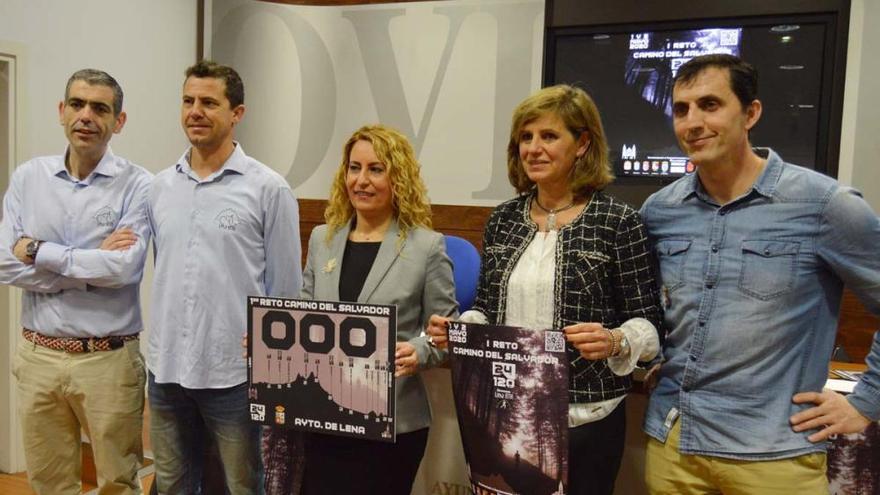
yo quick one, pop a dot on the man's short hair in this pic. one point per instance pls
(743, 76)
(97, 78)
(234, 86)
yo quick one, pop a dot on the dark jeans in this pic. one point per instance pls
(337, 465)
(180, 421)
(594, 453)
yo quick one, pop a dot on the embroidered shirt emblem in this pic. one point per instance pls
(228, 219)
(106, 217)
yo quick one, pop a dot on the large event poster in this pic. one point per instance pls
(322, 366)
(511, 396)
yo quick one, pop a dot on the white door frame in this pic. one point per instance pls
(11, 450)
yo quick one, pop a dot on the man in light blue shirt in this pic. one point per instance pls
(753, 254)
(74, 237)
(225, 227)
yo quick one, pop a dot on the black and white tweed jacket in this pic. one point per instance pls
(604, 274)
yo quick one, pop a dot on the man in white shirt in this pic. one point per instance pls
(225, 227)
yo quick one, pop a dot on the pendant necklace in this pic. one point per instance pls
(551, 213)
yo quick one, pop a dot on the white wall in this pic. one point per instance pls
(145, 45)
(448, 74)
(860, 148)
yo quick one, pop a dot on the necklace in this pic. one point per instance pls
(551, 213)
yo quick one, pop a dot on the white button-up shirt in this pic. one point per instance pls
(217, 240)
(74, 288)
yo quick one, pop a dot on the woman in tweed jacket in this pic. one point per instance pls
(563, 254)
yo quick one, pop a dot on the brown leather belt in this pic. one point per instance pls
(73, 344)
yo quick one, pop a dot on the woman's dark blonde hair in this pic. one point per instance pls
(592, 171)
(409, 196)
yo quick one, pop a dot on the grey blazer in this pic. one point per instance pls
(415, 275)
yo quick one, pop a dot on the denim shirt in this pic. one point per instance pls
(752, 293)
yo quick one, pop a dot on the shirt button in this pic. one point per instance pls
(702, 323)
(709, 286)
(722, 212)
(714, 248)
(766, 252)
(692, 357)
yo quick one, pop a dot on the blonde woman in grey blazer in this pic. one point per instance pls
(377, 247)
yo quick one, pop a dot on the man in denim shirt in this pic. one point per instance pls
(753, 253)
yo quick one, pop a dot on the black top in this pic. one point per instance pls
(356, 263)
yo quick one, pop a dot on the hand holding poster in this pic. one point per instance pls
(511, 396)
(321, 366)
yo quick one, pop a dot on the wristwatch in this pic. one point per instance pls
(624, 345)
(31, 249)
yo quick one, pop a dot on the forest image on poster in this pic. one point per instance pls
(511, 396)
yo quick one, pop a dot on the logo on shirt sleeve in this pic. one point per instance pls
(228, 219)
(106, 217)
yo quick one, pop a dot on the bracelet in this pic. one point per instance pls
(615, 344)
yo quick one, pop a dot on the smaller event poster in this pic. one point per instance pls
(854, 462)
(511, 395)
(322, 366)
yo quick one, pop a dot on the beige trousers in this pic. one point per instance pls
(668, 472)
(101, 393)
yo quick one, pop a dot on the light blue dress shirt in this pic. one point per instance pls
(752, 294)
(75, 289)
(216, 241)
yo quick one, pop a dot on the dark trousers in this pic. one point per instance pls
(183, 420)
(594, 453)
(337, 465)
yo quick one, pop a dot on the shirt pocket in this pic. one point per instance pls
(671, 255)
(768, 268)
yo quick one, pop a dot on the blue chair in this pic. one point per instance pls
(465, 270)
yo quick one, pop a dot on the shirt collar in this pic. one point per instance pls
(765, 185)
(236, 163)
(107, 166)
(769, 178)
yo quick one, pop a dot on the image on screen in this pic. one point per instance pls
(629, 74)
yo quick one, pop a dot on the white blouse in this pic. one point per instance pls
(530, 304)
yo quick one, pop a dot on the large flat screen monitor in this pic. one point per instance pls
(629, 69)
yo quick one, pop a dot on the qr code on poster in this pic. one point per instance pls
(729, 37)
(554, 342)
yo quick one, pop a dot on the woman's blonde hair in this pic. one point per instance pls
(409, 196)
(578, 112)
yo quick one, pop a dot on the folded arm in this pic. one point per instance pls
(118, 261)
(17, 271)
